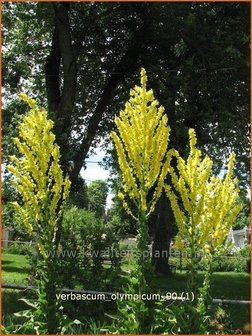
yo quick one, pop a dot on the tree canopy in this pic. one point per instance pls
(97, 193)
(81, 58)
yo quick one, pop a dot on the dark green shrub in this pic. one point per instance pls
(237, 262)
(245, 251)
(226, 264)
(21, 249)
(87, 243)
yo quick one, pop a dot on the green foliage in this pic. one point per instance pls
(184, 318)
(13, 220)
(10, 217)
(130, 320)
(97, 193)
(78, 194)
(7, 214)
(123, 226)
(165, 321)
(21, 249)
(226, 264)
(134, 316)
(32, 319)
(207, 52)
(117, 215)
(244, 251)
(243, 219)
(235, 262)
(86, 240)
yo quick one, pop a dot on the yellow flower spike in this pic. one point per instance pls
(141, 142)
(179, 243)
(42, 250)
(31, 102)
(37, 176)
(208, 202)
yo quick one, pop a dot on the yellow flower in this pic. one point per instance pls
(120, 196)
(179, 243)
(141, 142)
(42, 250)
(206, 249)
(208, 206)
(37, 175)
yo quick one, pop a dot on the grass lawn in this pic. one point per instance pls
(228, 285)
(15, 268)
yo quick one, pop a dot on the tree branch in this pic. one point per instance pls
(128, 62)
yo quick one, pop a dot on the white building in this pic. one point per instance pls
(239, 238)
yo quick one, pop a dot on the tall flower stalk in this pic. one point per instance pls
(42, 188)
(204, 215)
(141, 142)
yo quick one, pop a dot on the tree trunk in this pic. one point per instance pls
(162, 236)
(61, 100)
(165, 226)
(165, 222)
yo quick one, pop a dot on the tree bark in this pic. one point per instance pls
(61, 98)
(165, 225)
(162, 236)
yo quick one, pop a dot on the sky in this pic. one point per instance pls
(94, 171)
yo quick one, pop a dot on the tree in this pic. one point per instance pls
(243, 219)
(196, 55)
(97, 193)
(191, 61)
(79, 194)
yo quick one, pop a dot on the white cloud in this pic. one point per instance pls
(95, 172)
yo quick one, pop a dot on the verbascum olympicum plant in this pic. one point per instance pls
(43, 190)
(209, 203)
(204, 206)
(141, 142)
(37, 176)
